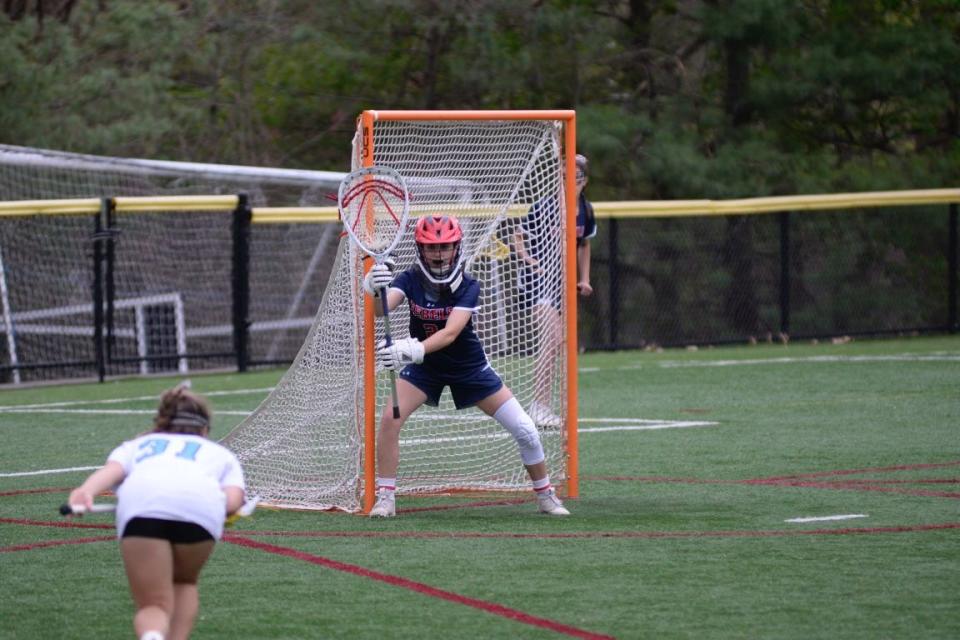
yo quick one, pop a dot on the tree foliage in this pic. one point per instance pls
(676, 98)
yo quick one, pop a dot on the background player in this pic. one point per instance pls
(443, 350)
(542, 282)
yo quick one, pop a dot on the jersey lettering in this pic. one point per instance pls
(426, 313)
(189, 450)
(152, 447)
(156, 446)
(429, 314)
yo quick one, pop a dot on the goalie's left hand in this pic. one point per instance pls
(400, 353)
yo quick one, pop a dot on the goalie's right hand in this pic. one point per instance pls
(400, 353)
(379, 276)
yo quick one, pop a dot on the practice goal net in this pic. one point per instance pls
(173, 270)
(310, 443)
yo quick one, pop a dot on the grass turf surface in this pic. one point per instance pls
(678, 533)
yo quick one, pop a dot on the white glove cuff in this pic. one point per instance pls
(369, 287)
(416, 351)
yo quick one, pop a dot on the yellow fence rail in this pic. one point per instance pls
(617, 210)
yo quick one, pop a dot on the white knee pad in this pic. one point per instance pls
(515, 420)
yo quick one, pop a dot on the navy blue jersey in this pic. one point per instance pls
(538, 220)
(541, 230)
(428, 314)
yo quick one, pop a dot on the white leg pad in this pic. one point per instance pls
(515, 420)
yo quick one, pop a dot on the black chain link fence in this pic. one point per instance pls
(657, 282)
(771, 277)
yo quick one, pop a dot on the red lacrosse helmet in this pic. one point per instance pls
(434, 230)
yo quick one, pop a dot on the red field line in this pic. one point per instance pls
(857, 486)
(54, 543)
(419, 587)
(452, 535)
(913, 481)
(805, 480)
(581, 535)
(661, 479)
(23, 492)
(845, 472)
(60, 524)
(483, 503)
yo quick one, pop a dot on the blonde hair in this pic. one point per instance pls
(182, 411)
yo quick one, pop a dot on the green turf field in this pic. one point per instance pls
(693, 463)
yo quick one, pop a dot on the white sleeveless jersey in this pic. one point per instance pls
(174, 476)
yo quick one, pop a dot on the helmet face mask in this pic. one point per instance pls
(439, 258)
(439, 242)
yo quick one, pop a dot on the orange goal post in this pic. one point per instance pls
(311, 442)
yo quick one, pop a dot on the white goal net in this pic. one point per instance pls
(172, 269)
(304, 446)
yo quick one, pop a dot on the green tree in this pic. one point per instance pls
(97, 82)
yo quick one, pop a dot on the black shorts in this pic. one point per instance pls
(175, 531)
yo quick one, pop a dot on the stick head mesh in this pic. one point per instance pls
(374, 205)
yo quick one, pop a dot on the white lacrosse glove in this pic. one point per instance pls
(379, 276)
(400, 353)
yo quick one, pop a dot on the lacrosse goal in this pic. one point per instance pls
(310, 444)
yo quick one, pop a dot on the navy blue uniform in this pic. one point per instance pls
(538, 220)
(462, 365)
(541, 230)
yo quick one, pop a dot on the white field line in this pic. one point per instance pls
(117, 412)
(620, 424)
(44, 472)
(635, 421)
(904, 357)
(74, 403)
(637, 424)
(629, 424)
(848, 516)
(648, 427)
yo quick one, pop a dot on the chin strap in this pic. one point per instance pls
(457, 281)
(453, 284)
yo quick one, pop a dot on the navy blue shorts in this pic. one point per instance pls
(467, 390)
(175, 531)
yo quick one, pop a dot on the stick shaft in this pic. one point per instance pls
(67, 509)
(389, 340)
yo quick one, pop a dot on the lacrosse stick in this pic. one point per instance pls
(245, 511)
(79, 509)
(374, 204)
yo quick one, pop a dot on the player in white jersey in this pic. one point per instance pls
(444, 351)
(174, 489)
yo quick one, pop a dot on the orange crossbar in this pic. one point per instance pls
(567, 115)
(569, 118)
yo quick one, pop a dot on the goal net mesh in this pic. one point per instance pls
(303, 447)
(173, 269)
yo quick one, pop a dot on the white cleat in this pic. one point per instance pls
(386, 506)
(543, 417)
(550, 504)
